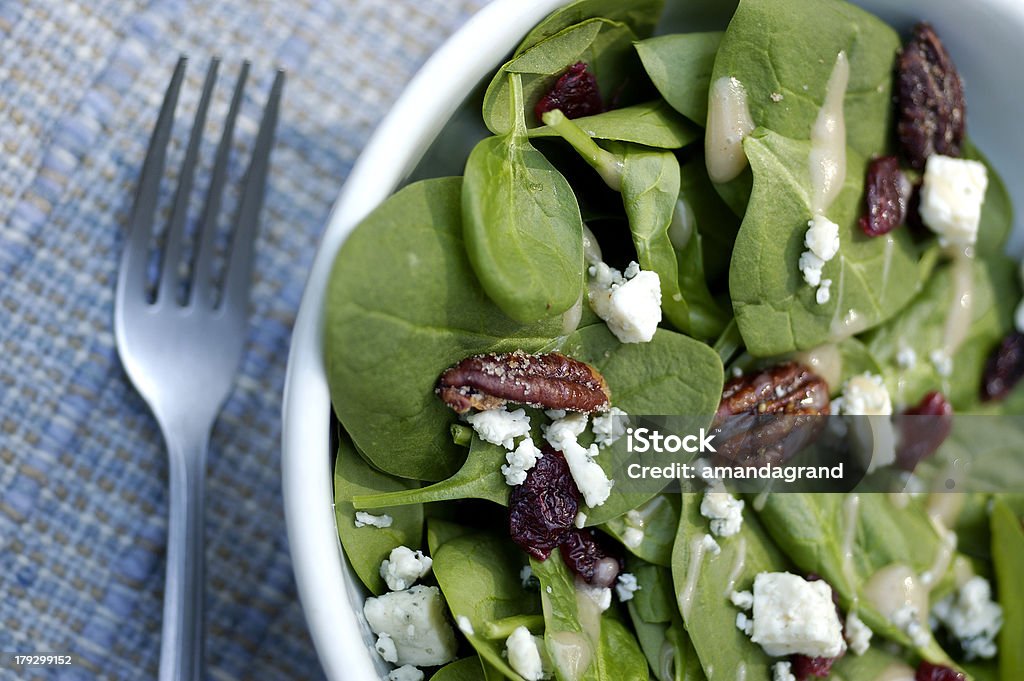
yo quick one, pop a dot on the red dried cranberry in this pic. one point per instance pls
(1004, 369)
(804, 667)
(887, 191)
(543, 508)
(575, 94)
(926, 671)
(924, 430)
(931, 116)
(588, 559)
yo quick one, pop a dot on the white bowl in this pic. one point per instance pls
(983, 36)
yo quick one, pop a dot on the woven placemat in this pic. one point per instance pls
(82, 464)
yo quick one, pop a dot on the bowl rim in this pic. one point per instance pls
(326, 587)
(416, 118)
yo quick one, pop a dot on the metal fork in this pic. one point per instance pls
(183, 356)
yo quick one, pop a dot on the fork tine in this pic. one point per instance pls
(239, 271)
(169, 276)
(132, 273)
(202, 277)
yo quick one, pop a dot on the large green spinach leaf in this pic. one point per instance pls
(479, 576)
(583, 643)
(639, 15)
(680, 66)
(777, 312)
(996, 211)
(1008, 555)
(653, 124)
(367, 546)
(715, 222)
(521, 224)
(659, 519)
(403, 275)
(466, 669)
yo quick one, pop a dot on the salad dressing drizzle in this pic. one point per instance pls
(570, 651)
(897, 671)
(851, 508)
(737, 566)
(958, 319)
(741, 672)
(729, 122)
(826, 361)
(692, 574)
(828, 140)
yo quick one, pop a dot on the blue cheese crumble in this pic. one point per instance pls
(403, 567)
(500, 426)
(972, 617)
(725, 512)
(414, 621)
(822, 243)
(951, 198)
(794, 616)
(629, 302)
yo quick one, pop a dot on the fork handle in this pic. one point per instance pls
(183, 629)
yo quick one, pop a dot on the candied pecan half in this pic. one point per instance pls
(887, 193)
(926, 671)
(588, 558)
(575, 93)
(930, 95)
(542, 509)
(1004, 368)
(924, 429)
(551, 381)
(748, 426)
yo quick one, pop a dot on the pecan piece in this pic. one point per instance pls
(575, 93)
(550, 381)
(930, 96)
(768, 416)
(541, 511)
(1004, 369)
(887, 193)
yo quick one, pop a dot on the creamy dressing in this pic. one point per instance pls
(591, 248)
(741, 672)
(828, 140)
(851, 508)
(944, 508)
(729, 122)
(896, 586)
(958, 319)
(737, 566)
(571, 317)
(825, 360)
(571, 653)
(899, 499)
(897, 671)
(667, 660)
(760, 500)
(588, 612)
(943, 557)
(680, 230)
(692, 574)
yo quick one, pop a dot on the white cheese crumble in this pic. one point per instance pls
(942, 362)
(744, 600)
(385, 647)
(414, 620)
(500, 426)
(626, 586)
(405, 673)
(858, 634)
(633, 536)
(951, 198)
(465, 626)
(822, 243)
(792, 615)
(555, 414)
(906, 358)
(725, 512)
(600, 595)
(710, 545)
(864, 395)
(630, 305)
(403, 567)
(744, 623)
(590, 478)
(609, 427)
(782, 671)
(973, 617)
(776, 97)
(906, 618)
(524, 654)
(520, 460)
(364, 519)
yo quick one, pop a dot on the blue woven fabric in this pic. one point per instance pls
(82, 464)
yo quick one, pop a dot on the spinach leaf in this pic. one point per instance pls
(466, 669)
(653, 124)
(1008, 555)
(873, 278)
(639, 15)
(685, 662)
(479, 478)
(847, 539)
(680, 66)
(716, 223)
(671, 375)
(522, 225)
(922, 328)
(479, 576)
(403, 275)
(605, 46)
(655, 600)
(996, 211)
(367, 546)
(870, 666)
(652, 637)
(583, 643)
(703, 583)
(660, 517)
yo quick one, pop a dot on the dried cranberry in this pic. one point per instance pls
(575, 94)
(588, 559)
(924, 429)
(887, 191)
(926, 671)
(804, 667)
(543, 508)
(931, 116)
(1004, 369)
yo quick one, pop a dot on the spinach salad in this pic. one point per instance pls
(786, 217)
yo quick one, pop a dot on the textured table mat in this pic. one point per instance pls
(82, 464)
